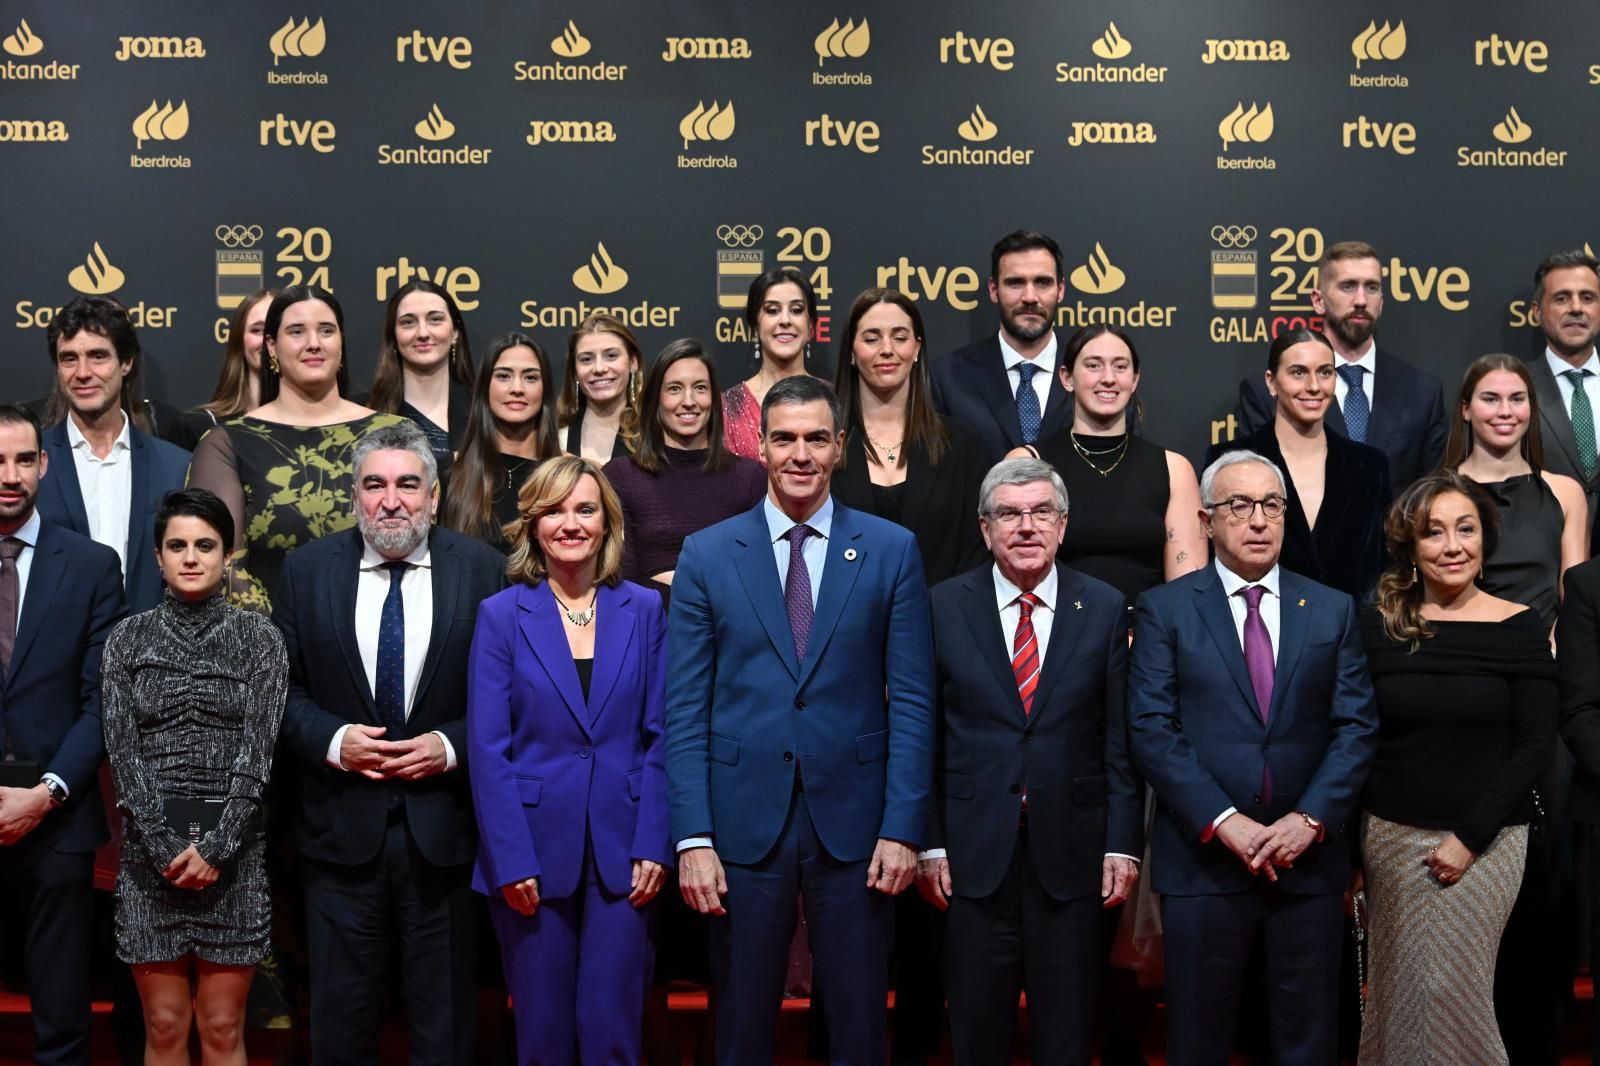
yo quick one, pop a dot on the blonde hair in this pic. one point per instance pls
(545, 490)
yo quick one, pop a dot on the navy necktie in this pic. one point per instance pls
(1357, 412)
(389, 691)
(797, 592)
(1028, 416)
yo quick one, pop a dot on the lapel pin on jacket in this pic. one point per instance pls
(1302, 603)
(1077, 605)
(849, 555)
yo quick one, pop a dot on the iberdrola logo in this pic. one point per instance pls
(841, 42)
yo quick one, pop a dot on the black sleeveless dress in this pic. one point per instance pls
(1117, 507)
(1526, 564)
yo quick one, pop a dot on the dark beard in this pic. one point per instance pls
(1022, 333)
(1354, 334)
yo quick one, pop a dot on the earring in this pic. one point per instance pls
(272, 361)
(452, 355)
(808, 351)
(1414, 575)
(755, 345)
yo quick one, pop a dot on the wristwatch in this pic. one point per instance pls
(57, 790)
(1313, 824)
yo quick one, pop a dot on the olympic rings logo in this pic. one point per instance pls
(739, 236)
(239, 236)
(1233, 236)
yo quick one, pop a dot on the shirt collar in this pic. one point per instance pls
(1368, 360)
(779, 524)
(1045, 360)
(421, 555)
(29, 533)
(1559, 366)
(1232, 582)
(76, 439)
(1005, 593)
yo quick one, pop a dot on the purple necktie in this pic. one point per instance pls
(797, 591)
(1257, 649)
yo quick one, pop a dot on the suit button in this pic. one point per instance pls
(788, 756)
(799, 704)
(1015, 789)
(583, 752)
(1256, 799)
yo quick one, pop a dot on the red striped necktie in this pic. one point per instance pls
(1025, 653)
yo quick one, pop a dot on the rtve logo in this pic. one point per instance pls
(1370, 133)
(571, 44)
(601, 275)
(843, 42)
(435, 127)
(418, 47)
(300, 40)
(861, 135)
(1500, 52)
(1377, 43)
(161, 124)
(998, 52)
(462, 283)
(1098, 276)
(96, 276)
(285, 132)
(703, 124)
(23, 42)
(1111, 44)
(706, 48)
(977, 127)
(1246, 127)
(159, 48)
(1239, 51)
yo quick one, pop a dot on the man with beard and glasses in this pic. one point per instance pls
(1566, 291)
(1006, 386)
(378, 621)
(1382, 400)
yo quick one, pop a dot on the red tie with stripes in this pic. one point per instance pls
(1025, 653)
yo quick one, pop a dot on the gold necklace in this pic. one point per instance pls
(578, 618)
(1084, 454)
(890, 450)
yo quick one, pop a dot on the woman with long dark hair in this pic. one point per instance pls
(511, 428)
(781, 311)
(238, 386)
(425, 369)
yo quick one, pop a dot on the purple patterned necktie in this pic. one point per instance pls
(797, 591)
(1257, 649)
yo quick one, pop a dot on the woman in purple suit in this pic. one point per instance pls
(564, 739)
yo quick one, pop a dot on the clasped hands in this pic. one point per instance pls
(648, 877)
(1266, 848)
(189, 870)
(363, 750)
(702, 881)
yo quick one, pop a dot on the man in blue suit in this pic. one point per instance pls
(1252, 715)
(60, 595)
(799, 735)
(106, 475)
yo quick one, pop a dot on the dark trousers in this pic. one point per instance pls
(850, 924)
(48, 900)
(1207, 946)
(1020, 937)
(355, 917)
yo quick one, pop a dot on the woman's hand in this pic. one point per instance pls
(189, 870)
(1448, 860)
(648, 877)
(522, 896)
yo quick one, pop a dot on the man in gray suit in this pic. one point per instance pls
(1566, 377)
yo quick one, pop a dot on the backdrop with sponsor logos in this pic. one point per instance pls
(542, 160)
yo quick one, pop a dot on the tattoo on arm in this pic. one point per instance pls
(1182, 556)
(1172, 534)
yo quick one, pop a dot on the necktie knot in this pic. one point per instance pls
(397, 570)
(1576, 377)
(1028, 601)
(1252, 596)
(1351, 372)
(11, 548)
(1025, 372)
(797, 536)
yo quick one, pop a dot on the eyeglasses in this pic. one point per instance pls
(1010, 517)
(1242, 507)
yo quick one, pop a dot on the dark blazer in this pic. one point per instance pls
(554, 774)
(971, 385)
(342, 815)
(1199, 740)
(855, 717)
(50, 696)
(1084, 798)
(1346, 550)
(941, 502)
(1407, 424)
(158, 468)
(1560, 446)
(1578, 638)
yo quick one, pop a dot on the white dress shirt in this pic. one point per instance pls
(1591, 383)
(29, 535)
(1045, 361)
(416, 596)
(107, 487)
(815, 553)
(1271, 610)
(1367, 362)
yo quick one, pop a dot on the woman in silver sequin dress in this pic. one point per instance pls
(193, 694)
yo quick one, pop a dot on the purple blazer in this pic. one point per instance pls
(547, 766)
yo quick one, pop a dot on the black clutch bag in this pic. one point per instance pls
(192, 819)
(19, 773)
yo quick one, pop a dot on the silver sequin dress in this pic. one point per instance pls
(192, 699)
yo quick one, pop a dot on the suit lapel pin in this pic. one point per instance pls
(1077, 605)
(1302, 603)
(849, 555)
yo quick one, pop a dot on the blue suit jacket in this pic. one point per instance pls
(1199, 740)
(550, 768)
(855, 717)
(50, 696)
(971, 385)
(158, 468)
